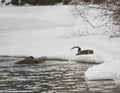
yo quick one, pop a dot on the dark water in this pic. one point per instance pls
(50, 77)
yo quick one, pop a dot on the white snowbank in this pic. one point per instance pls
(88, 59)
(110, 70)
(111, 66)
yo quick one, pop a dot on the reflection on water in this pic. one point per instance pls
(50, 77)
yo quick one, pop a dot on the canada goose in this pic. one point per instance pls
(83, 52)
(32, 60)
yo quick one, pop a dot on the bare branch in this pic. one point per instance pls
(86, 20)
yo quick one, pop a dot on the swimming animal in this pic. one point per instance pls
(32, 60)
(83, 52)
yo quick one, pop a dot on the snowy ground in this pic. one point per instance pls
(42, 31)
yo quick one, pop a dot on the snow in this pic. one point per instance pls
(104, 71)
(49, 31)
(110, 68)
(94, 59)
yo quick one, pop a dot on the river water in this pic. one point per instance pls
(50, 77)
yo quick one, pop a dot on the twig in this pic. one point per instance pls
(86, 20)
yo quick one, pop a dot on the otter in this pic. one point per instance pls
(32, 60)
(83, 52)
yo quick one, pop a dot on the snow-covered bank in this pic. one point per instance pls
(108, 70)
(39, 31)
(111, 66)
(33, 30)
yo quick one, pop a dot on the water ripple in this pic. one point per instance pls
(49, 77)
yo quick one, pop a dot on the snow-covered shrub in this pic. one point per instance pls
(5, 2)
(75, 33)
(31, 2)
(103, 18)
